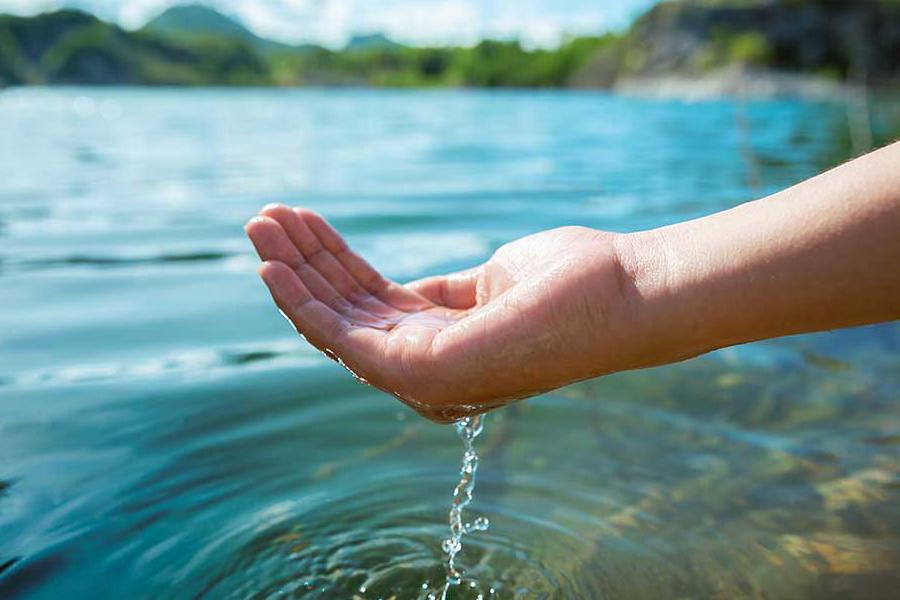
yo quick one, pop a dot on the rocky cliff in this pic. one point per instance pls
(836, 39)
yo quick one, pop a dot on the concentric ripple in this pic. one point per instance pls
(382, 540)
(164, 434)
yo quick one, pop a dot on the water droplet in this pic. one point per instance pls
(468, 429)
(479, 524)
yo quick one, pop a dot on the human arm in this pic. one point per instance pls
(821, 255)
(574, 303)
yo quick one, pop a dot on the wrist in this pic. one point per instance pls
(668, 322)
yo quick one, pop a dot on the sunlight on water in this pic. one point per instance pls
(163, 434)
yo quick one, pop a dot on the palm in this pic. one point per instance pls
(447, 346)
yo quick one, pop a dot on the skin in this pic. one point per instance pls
(574, 303)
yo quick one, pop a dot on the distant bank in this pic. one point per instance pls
(754, 47)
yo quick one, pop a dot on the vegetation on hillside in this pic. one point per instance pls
(71, 47)
(195, 45)
(186, 21)
(845, 39)
(68, 46)
(489, 63)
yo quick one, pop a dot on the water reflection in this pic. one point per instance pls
(163, 434)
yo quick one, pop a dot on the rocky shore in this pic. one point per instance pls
(734, 82)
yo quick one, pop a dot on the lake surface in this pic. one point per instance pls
(164, 433)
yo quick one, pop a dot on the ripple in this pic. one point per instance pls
(367, 540)
(206, 466)
(20, 575)
(183, 361)
(7, 565)
(119, 261)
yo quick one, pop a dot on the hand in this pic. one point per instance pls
(573, 303)
(545, 310)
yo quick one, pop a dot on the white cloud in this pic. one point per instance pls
(27, 7)
(332, 22)
(437, 21)
(135, 13)
(539, 23)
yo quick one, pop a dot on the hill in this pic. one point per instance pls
(824, 40)
(371, 41)
(192, 20)
(72, 47)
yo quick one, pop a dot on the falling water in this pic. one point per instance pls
(467, 429)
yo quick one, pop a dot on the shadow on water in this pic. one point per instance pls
(178, 441)
(245, 358)
(112, 261)
(179, 363)
(6, 564)
(23, 575)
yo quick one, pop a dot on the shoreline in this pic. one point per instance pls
(719, 85)
(737, 83)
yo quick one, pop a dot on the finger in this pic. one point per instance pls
(272, 242)
(315, 251)
(313, 319)
(323, 291)
(351, 274)
(457, 290)
(358, 348)
(361, 271)
(305, 240)
(320, 257)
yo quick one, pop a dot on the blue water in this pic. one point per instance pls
(164, 434)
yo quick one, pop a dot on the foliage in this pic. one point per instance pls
(70, 47)
(490, 63)
(749, 48)
(727, 47)
(692, 36)
(188, 20)
(73, 47)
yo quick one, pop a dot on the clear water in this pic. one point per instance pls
(468, 429)
(163, 433)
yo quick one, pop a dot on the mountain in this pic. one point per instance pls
(690, 40)
(371, 41)
(72, 47)
(198, 19)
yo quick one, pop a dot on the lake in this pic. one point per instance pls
(165, 434)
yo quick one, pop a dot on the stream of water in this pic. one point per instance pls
(468, 429)
(163, 434)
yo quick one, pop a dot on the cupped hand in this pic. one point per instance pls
(545, 310)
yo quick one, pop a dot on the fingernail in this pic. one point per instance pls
(271, 205)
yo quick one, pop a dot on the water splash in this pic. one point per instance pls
(468, 429)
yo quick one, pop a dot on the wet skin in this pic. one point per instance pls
(527, 320)
(573, 303)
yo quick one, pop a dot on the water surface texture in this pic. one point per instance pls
(164, 433)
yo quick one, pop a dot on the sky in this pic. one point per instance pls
(420, 22)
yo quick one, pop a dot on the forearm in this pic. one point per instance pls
(821, 255)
